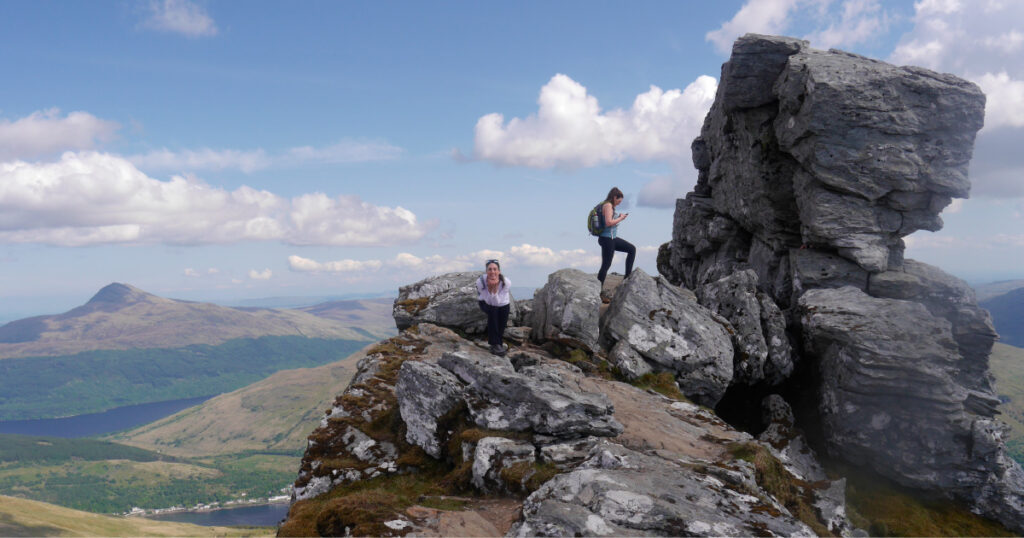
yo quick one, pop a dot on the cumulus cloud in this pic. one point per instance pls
(345, 151)
(663, 191)
(94, 198)
(260, 275)
(570, 130)
(44, 132)
(1004, 106)
(756, 16)
(306, 265)
(406, 263)
(833, 24)
(179, 17)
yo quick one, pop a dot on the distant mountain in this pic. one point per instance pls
(370, 315)
(275, 414)
(1007, 364)
(121, 316)
(22, 517)
(1008, 316)
(985, 292)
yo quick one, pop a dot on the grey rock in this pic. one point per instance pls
(566, 309)
(448, 300)
(426, 393)
(568, 454)
(626, 493)
(762, 350)
(891, 400)
(492, 455)
(536, 399)
(670, 331)
(628, 361)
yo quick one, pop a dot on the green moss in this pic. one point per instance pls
(663, 383)
(525, 477)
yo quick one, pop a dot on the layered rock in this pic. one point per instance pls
(812, 167)
(565, 310)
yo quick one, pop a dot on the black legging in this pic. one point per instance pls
(497, 318)
(608, 248)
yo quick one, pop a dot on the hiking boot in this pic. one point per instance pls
(605, 298)
(499, 350)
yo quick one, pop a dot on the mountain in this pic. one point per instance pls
(121, 316)
(22, 517)
(372, 316)
(275, 414)
(1008, 316)
(994, 289)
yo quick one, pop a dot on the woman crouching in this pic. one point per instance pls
(492, 294)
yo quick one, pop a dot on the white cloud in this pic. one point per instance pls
(202, 159)
(179, 17)
(570, 130)
(260, 275)
(860, 21)
(527, 254)
(756, 16)
(345, 151)
(191, 272)
(1004, 105)
(93, 198)
(298, 263)
(44, 132)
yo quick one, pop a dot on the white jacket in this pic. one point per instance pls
(501, 298)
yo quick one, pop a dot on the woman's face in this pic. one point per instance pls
(492, 272)
(617, 201)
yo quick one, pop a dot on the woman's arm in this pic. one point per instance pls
(608, 212)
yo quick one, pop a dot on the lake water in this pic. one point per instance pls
(263, 515)
(94, 424)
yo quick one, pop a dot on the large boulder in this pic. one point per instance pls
(448, 300)
(651, 320)
(565, 310)
(890, 400)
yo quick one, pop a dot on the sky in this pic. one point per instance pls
(219, 151)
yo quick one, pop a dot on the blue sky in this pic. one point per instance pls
(217, 150)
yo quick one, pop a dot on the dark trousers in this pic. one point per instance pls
(497, 319)
(608, 248)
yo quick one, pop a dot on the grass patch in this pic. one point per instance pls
(884, 508)
(795, 494)
(663, 383)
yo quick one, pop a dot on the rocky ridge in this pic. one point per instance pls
(785, 265)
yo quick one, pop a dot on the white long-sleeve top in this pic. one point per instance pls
(501, 298)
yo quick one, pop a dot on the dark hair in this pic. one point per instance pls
(501, 277)
(613, 194)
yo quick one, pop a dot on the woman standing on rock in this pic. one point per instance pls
(492, 293)
(609, 238)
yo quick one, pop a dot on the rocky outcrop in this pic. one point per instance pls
(652, 325)
(448, 300)
(812, 167)
(565, 310)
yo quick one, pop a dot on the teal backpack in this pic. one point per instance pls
(595, 220)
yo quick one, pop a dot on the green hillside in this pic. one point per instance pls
(1007, 364)
(45, 387)
(277, 413)
(22, 517)
(1008, 316)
